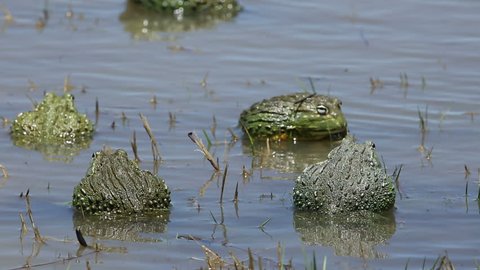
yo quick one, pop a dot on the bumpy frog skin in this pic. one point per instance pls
(302, 116)
(115, 184)
(225, 8)
(54, 121)
(351, 179)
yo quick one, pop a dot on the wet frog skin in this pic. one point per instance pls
(115, 184)
(351, 179)
(299, 116)
(53, 121)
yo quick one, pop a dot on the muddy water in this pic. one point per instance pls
(271, 48)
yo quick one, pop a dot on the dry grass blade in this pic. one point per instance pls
(204, 150)
(155, 151)
(7, 15)
(153, 100)
(280, 256)
(251, 260)
(213, 128)
(4, 171)
(36, 231)
(237, 263)
(203, 82)
(23, 228)
(80, 238)
(172, 119)
(404, 80)
(467, 171)
(67, 85)
(214, 261)
(133, 143)
(223, 182)
(235, 196)
(97, 110)
(234, 136)
(396, 176)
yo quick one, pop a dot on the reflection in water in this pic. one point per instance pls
(354, 235)
(54, 152)
(133, 228)
(288, 157)
(143, 24)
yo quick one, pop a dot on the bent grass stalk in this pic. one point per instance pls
(36, 231)
(133, 143)
(155, 151)
(201, 147)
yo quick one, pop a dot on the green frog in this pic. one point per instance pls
(298, 116)
(115, 184)
(55, 120)
(352, 178)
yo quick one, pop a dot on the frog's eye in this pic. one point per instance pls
(373, 146)
(93, 155)
(322, 109)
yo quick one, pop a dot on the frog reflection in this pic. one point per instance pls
(133, 228)
(144, 24)
(55, 152)
(356, 234)
(287, 156)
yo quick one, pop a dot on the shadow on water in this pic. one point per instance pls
(288, 157)
(354, 235)
(133, 228)
(144, 24)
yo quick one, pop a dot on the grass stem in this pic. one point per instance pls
(195, 139)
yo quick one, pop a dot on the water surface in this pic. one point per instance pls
(271, 48)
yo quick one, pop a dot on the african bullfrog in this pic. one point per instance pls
(115, 184)
(225, 8)
(302, 116)
(352, 178)
(55, 120)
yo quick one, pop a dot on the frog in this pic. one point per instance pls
(144, 24)
(54, 121)
(114, 184)
(352, 178)
(217, 8)
(297, 116)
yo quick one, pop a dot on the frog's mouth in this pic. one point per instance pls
(334, 134)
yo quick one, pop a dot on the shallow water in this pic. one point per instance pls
(271, 48)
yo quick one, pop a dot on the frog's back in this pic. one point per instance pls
(269, 116)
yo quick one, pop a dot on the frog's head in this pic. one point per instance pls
(108, 159)
(364, 153)
(317, 116)
(57, 104)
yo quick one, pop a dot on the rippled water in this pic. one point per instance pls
(271, 48)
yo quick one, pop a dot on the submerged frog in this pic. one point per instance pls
(225, 8)
(54, 121)
(351, 179)
(301, 116)
(115, 184)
